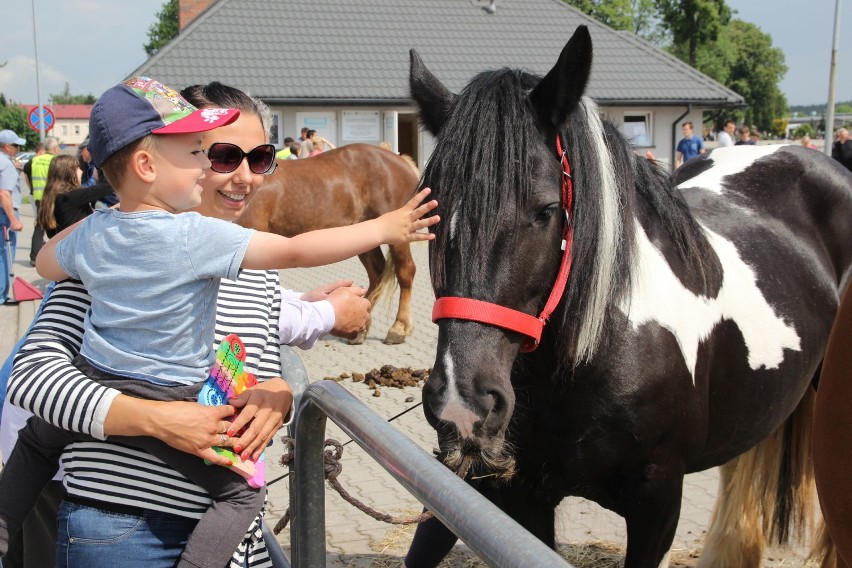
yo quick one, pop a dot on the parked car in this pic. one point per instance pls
(25, 157)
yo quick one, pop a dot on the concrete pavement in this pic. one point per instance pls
(353, 538)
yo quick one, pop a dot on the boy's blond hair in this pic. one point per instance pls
(115, 167)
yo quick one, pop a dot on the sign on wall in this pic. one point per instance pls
(361, 126)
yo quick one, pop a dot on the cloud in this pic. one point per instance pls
(18, 80)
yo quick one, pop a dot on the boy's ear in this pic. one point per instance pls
(142, 166)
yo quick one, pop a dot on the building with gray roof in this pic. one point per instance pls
(341, 67)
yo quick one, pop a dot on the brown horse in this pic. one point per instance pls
(348, 185)
(832, 445)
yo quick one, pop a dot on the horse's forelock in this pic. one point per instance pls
(480, 164)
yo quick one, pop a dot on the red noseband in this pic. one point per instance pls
(513, 320)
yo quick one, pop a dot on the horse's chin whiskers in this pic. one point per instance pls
(466, 456)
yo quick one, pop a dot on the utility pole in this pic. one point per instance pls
(38, 78)
(829, 121)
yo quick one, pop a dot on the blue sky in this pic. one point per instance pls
(92, 44)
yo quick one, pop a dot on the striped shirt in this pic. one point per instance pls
(45, 383)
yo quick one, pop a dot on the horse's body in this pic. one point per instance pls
(348, 185)
(694, 319)
(833, 434)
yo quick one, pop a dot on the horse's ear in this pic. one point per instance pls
(560, 90)
(431, 96)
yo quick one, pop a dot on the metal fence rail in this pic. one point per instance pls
(489, 532)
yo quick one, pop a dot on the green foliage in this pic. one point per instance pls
(806, 110)
(66, 98)
(756, 72)
(637, 16)
(15, 118)
(804, 129)
(692, 23)
(165, 28)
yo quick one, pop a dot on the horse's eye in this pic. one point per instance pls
(547, 212)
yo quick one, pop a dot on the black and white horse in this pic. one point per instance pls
(689, 331)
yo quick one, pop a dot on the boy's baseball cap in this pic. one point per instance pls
(141, 106)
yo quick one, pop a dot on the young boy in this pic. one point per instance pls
(153, 276)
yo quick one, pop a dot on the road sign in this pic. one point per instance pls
(35, 119)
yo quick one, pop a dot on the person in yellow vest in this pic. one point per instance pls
(286, 152)
(41, 164)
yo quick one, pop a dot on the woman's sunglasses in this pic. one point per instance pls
(225, 158)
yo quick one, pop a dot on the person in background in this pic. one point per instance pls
(690, 145)
(806, 142)
(306, 148)
(41, 164)
(65, 202)
(90, 172)
(10, 202)
(727, 133)
(304, 134)
(745, 137)
(319, 144)
(28, 167)
(841, 150)
(286, 151)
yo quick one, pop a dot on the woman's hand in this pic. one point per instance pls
(263, 407)
(187, 426)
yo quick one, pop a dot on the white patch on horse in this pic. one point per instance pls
(454, 410)
(660, 297)
(728, 161)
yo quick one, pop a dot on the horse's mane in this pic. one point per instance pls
(485, 151)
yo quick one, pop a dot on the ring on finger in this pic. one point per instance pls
(223, 438)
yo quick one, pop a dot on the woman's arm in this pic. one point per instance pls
(45, 382)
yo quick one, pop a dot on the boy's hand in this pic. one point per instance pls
(401, 226)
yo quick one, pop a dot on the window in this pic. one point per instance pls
(76, 129)
(638, 128)
(275, 130)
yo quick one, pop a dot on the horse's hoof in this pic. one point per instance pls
(359, 339)
(394, 338)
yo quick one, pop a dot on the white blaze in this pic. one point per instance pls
(658, 296)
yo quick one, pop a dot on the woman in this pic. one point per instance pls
(64, 201)
(121, 503)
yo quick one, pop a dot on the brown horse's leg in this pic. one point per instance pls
(832, 447)
(404, 268)
(374, 264)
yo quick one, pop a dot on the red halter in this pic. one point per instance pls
(492, 314)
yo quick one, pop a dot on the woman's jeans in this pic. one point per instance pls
(94, 538)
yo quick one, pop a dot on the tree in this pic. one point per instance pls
(757, 69)
(66, 98)
(692, 23)
(637, 16)
(14, 118)
(165, 28)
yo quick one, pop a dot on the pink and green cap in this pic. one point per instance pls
(141, 106)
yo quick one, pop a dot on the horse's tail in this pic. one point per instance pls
(823, 551)
(765, 494)
(386, 284)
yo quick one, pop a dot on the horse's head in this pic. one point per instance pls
(496, 172)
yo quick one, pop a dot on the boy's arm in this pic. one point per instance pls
(47, 264)
(316, 248)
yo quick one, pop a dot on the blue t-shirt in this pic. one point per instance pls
(690, 147)
(154, 278)
(10, 180)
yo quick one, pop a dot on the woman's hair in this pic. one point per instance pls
(216, 94)
(61, 178)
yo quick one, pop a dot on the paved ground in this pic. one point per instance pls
(354, 539)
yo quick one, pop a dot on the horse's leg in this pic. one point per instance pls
(651, 508)
(531, 513)
(404, 268)
(374, 264)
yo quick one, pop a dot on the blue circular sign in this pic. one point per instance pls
(36, 118)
